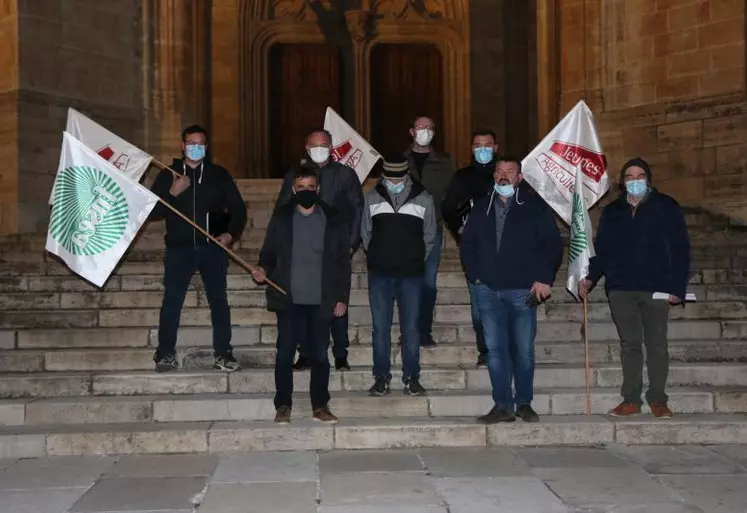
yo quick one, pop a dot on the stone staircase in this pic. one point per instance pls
(76, 371)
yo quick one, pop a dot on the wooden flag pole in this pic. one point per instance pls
(233, 255)
(164, 166)
(586, 356)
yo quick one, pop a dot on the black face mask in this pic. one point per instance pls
(307, 199)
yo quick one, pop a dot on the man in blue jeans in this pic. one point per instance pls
(511, 250)
(398, 229)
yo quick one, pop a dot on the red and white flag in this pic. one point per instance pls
(126, 157)
(348, 147)
(551, 167)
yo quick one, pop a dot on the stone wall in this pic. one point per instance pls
(81, 53)
(666, 80)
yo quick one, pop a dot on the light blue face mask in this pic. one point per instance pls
(636, 187)
(195, 152)
(483, 154)
(504, 190)
(394, 188)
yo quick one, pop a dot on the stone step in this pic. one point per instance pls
(131, 297)
(714, 301)
(347, 405)
(359, 379)
(200, 357)
(404, 432)
(358, 315)
(706, 333)
(547, 331)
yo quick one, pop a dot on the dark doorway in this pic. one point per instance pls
(304, 80)
(406, 81)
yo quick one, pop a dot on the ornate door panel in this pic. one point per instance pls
(304, 80)
(406, 80)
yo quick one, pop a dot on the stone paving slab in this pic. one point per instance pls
(141, 494)
(617, 479)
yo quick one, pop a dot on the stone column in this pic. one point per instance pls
(9, 119)
(178, 37)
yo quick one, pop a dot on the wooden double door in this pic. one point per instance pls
(406, 80)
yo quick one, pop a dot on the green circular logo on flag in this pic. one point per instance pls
(89, 213)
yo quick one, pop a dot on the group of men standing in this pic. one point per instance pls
(510, 249)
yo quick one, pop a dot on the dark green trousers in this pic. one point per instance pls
(640, 319)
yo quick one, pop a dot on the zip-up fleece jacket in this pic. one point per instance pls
(212, 201)
(398, 238)
(276, 258)
(435, 176)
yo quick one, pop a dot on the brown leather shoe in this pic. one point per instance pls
(661, 411)
(324, 415)
(625, 409)
(283, 415)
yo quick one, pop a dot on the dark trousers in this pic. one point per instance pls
(429, 292)
(340, 338)
(302, 320)
(476, 322)
(180, 265)
(640, 319)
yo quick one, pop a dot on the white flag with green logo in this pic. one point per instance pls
(96, 213)
(581, 247)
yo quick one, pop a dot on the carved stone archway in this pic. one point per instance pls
(263, 23)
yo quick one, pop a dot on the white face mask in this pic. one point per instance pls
(319, 154)
(423, 137)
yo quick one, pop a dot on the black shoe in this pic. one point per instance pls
(341, 364)
(380, 387)
(482, 361)
(166, 363)
(428, 342)
(497, 415)
(526, 413)
(226, 363)
(413, 387)
(302, 363)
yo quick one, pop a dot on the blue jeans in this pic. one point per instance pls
(430, 290)
(382, 292)
(510, 327)
(476, 322)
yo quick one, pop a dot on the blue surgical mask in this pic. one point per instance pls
(636, 187)
(504, 190)
(394, 188)
(195, 152)
(483, 154)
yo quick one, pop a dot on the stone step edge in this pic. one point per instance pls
(232, 437)
(254, 407)
(262, 347)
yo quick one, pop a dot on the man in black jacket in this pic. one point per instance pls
(340, 189)
(307, 253)
(642, 247)
(511, 250)
(206, 194)
(468, 185)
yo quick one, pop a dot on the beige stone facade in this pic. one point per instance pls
(665, 78)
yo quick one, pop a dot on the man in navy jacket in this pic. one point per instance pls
(511, 251)
(642, 247)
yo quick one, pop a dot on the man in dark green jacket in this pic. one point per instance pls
(433, 169)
